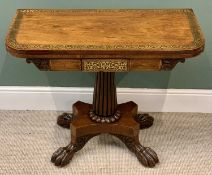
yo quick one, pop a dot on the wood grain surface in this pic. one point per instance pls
(77, 34)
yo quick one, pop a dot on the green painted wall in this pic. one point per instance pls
(195, 73)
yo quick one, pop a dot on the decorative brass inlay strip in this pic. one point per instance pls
(11, 38)
(116, 65)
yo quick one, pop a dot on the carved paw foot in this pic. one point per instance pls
(146, 155)
(145, 120)
(64, 120)
(63, 155)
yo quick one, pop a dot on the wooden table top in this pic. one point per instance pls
(157, 33)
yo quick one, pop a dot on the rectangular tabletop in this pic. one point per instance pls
(105, 34)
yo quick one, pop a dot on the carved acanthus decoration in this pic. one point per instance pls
(42, 64)
(169, 64)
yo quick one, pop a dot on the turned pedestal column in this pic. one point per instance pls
(105, 98)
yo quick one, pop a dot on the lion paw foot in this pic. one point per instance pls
(62, 156)
(146, 156)
(145, 120)
(64, 120)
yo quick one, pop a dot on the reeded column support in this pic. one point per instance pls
(105, 98)
(104, 108)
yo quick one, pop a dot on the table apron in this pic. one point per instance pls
(105, 65)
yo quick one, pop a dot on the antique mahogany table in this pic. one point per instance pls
(105, 42)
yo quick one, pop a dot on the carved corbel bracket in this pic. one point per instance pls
(169, 64)
(42, 64)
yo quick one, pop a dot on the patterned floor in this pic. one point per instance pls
(183, 142)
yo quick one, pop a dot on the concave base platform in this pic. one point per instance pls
(126, 129)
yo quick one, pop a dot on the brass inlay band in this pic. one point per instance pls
(116, 65)
(11, 38)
